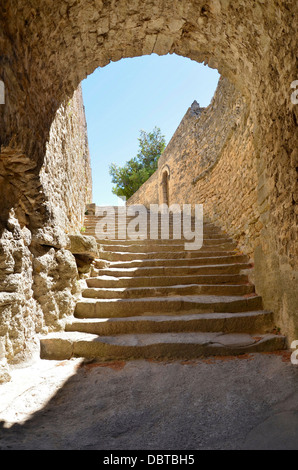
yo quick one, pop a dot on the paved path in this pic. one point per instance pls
(232, 403)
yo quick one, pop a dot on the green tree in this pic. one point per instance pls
(137, 170)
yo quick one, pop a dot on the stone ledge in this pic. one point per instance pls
(85, 250)
(83, 245)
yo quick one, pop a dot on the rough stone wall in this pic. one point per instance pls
(209, 157)
(38, 288)
(66, 171)
(39, 281)
(211, 160)
(19, 320)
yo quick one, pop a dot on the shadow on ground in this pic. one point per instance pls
(233, 403)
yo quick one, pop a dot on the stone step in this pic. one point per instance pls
(175, 305)
(121, 218)
(164, 255)
(161, 242)
(135, 248)
(61, 346)
(179, 239)
(116, 216)
(110, 206)
(136, 210)
(157, 300)
(173, 290)
(160, 223)
(247, 322)
(232, 268)
(114, 238)
(147, 281)
(180, 262)
(98, 218)
(111, 226)
(119, 237)
(135, 219)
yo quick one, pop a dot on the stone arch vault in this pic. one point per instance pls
(46, 51)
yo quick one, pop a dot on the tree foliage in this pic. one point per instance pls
(137, 170)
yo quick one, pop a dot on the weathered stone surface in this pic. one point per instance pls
(39, 287)
(212, 160)
(83, 245)
(38, 276)
(19, 319)
(55, 285)
(84, 264)
(251, 322)
(90, 209)
(101, 263)
(56, 348)
(205, 159)
(165, 318)
(85, 250)
(4, 368)
(159, 346)
(66, 171)
(51, 236)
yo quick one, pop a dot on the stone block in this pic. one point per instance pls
(83, 245)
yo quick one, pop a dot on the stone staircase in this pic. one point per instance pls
(152, 299)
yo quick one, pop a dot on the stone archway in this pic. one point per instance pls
(54, 49)
(46, 52)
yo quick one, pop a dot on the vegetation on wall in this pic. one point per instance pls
(137, 170)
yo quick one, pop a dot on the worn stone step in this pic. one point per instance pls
(157, 300)
(115, 216)
(247, 322)
(180, 262)
(122, 237)
(179, 255)
(149, 239)
(233, 268)
(111, 281)
(97, 218)
(121, 223)
(122, 228)
(135, 219)
(135, 248)
(61, 346)
(145, 291)
(101, 308)
(121, 219)
(161, 242)
(134, 215)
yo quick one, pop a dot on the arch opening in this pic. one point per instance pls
(253, 47)
(134, 97)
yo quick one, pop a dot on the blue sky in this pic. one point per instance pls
(133, 94)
